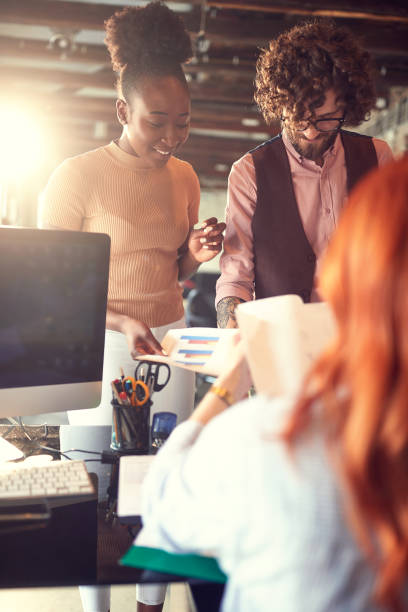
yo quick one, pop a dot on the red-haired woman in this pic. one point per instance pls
(305, 502)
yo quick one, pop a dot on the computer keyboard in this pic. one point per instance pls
(54, 479)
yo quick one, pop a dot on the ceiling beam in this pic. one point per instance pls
(39, 50)
(391, 15)
(98, 54)
(75, 15)
(227, 28)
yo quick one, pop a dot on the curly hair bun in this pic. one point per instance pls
(145, 36)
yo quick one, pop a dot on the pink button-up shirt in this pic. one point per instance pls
(320, 194)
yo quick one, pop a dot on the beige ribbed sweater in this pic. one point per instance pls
(147, 214)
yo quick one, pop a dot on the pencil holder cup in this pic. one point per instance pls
(130, 428)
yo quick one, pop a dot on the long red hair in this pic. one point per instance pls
(361, 379)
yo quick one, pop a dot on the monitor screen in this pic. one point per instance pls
(53, 291)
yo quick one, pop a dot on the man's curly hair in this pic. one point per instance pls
(144, 42)
(298, 68)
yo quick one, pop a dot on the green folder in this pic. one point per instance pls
(192, 566)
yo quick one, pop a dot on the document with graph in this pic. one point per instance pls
(201, 349)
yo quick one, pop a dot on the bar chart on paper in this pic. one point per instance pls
(195, 350)
(202, 349)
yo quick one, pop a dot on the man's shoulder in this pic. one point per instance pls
(264, 146)
(351, 134)
(247, 158)
(382, 148)
(246, 162)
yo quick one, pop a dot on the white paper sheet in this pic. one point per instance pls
(9, 452)
(132, 470)
(283, 337)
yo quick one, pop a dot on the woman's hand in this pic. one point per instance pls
(139, 337)
(235, 379)
(204, 243)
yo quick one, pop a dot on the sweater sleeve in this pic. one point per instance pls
(62, 202)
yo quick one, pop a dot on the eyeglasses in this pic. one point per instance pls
(321, 125)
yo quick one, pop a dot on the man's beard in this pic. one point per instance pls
(311, 149)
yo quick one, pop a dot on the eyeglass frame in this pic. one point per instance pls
(341, 120)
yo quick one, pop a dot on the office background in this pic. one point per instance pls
(58, 97)
(57, 100)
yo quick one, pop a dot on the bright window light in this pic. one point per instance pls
(22, 144)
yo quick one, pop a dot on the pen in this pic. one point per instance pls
(115, 425)
(119, 425)
(118, 384)
(129, 425)
(115, 392)
(124, 399)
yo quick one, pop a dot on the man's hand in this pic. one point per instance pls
(226, 312)
(206, 242)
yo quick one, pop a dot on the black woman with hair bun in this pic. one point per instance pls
(136, 190)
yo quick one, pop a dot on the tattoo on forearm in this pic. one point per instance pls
(226, 310)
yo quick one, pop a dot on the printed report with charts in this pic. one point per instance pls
(282, 336)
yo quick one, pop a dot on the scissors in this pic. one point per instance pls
(137, 390)
(151, 374)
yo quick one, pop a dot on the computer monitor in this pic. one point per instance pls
(53, 291)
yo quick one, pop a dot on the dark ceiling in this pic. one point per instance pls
(74, 84)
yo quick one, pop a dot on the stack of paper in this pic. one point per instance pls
(283, 336)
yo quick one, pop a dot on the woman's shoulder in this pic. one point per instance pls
(185, 176)
(181, 166)
(76, 166)
(88, 158)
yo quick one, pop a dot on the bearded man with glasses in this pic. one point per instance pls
(286, 195)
